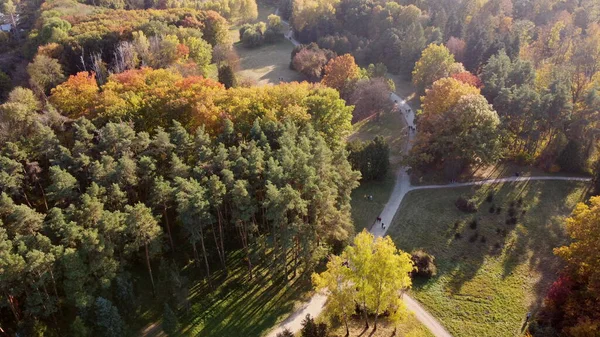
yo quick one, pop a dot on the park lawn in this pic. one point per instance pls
(392, 127)
(235, 307)
(267, 63)
(411, 327)
(485, 287)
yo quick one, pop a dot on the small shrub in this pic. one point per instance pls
(498, 231)
(473, 224)
(513, 221)
(492, 209)
(467, 206)
(456, 224)
(498, 210)
(523, 212)
(512, 212)
(483, 239)
(490, 197)
(512, 204)
(285, 333)
(474, 237)
(424, 264)
(497, 245)
(457, 236)
(520, 201)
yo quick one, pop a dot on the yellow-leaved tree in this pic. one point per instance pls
(372, 273)
(336, 282)
(388, 276)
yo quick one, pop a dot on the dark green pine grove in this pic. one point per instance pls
(84, 206)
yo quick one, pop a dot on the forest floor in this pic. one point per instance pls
(235, 306)
(489, 276)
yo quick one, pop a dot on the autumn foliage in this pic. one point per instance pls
(339, 71)
(468, 78)
(154, 97)
(77, 96)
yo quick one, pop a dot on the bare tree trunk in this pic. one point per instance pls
(149, 267)
(244, 236)
(212, 226)
(220, 222)
(346, 323)
(196, 257)
(168, 227)
(10, 300)
(297, 252)
(204, 253)
(43, 196)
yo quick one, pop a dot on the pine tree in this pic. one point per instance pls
(144, 231)
(227, 76)
(169, 323)
(108, 320)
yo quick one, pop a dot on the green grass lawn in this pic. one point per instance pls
(392, 127)
(267, 63)
(234, 307)
(487, 283)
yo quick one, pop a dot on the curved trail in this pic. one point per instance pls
(402, 186)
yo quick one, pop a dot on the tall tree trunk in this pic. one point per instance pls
(54, 286)
(346, 323)
(204, 253)
(296, 253)
(212, 226)
(11, 303)
(243, 230)
(149, 267)
(220, 222)
(43, 196)
(364, 305)
(196, 257)
(168, 227)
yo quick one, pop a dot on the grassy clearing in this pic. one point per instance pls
(265, 64)
(411, 327)
(485, 287)
(406, 90)
(392, 127)
(235, 307)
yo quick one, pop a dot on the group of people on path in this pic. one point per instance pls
(379, 221)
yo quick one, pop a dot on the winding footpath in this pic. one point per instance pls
(402, 186)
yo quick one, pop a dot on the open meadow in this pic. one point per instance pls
(494, 265)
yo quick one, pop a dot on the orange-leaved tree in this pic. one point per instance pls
(340, 72)
(77, 96)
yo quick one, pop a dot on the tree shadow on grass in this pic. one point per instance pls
(239, 307)
(541, 234)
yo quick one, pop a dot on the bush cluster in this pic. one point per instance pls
(424, 263)
(465, 205)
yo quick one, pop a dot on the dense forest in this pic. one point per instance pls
(81, 204)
